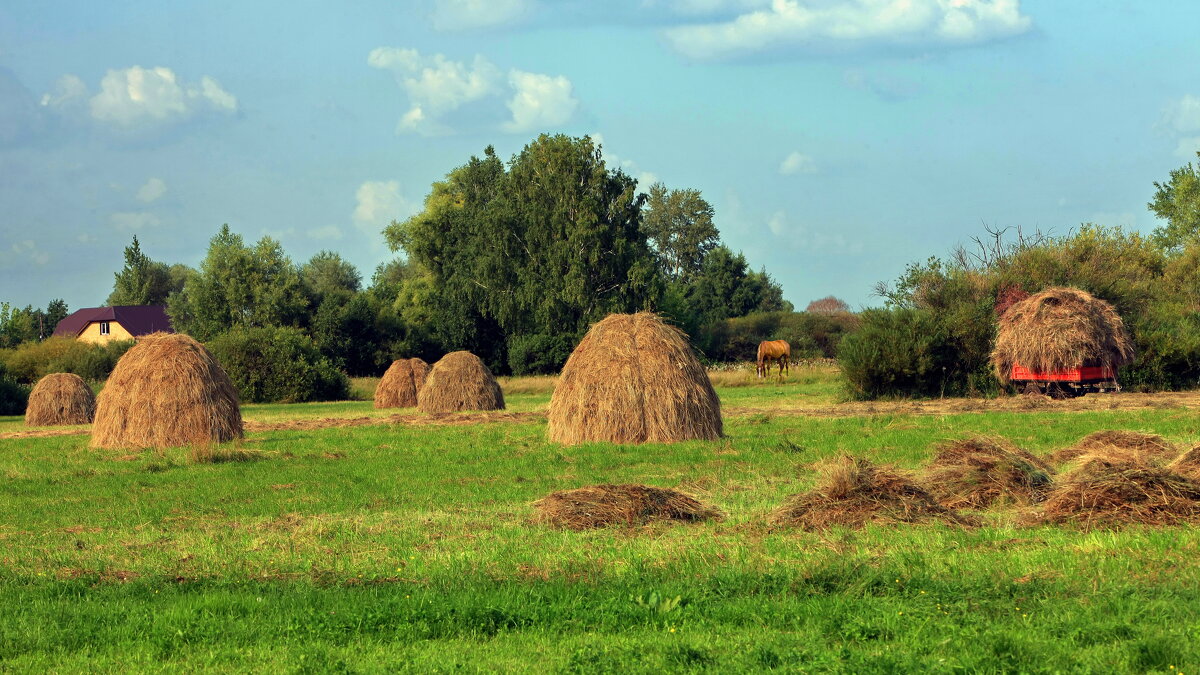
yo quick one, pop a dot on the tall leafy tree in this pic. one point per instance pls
(238, 285)
(679, 224)
(142, 281)
(327, 275)
(1178, 202)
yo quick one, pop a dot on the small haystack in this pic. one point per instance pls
(854, 492)
(1060, 328)
(1152, 448)
(978, 472)
(166, 391)
(1112, 487)
(633, 379)
(629, 504)
(60, 398)
(459, 381)
(399, 386)
(1187, 464)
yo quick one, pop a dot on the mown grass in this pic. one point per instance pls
(394, 547)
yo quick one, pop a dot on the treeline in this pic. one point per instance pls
(936, 331)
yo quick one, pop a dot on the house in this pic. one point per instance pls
(105, 324)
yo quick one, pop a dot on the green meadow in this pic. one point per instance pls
(398, 547)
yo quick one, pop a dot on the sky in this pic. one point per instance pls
(837, 140)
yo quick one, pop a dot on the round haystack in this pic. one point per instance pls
(166, 391)
(459, 381)
(633, 379)
(1113, 487)
(399, 386)
(1060, 328)
(60, 398)
(853, 492)
(1152, 448)
(629, 504)
(978, 472)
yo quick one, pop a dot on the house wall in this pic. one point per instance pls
(115, 332)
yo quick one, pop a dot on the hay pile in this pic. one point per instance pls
(399, 385)
(60, 398)
(978, 472)
(1060, 328)
(854, 492)
(1187, 464)
(1152, 448)
(1116, 487)
(633, 379)
(628, 504)
(166, 391)
(459, 381)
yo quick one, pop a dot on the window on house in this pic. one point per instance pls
(104, 328)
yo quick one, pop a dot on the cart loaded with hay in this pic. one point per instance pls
(1063, 343)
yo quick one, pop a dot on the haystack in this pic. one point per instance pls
(60, 398)
(629, 504)
(399, 386)
(1187, 464)
(978, 472)
(459, 381)
(1112, 487)
(854, 492)
(633, 379)
(1060, 328)
(1152, 448)
(166, 391)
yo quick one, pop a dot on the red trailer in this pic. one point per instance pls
(1065, 383)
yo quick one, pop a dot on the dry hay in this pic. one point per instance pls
(1060, 328)
(979, 472)
(459, 381)
(628, 504)
(1187, 464)
(60, 398)
(633, 379)
(1112, 487)
(399, 386)
(166, 391)
(854, 492)
(1152, 448)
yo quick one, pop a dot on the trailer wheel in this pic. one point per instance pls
(1058, 392)
(1032, 389)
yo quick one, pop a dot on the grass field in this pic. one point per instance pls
(401, 547)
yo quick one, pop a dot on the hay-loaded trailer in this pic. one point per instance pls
(1065, 383)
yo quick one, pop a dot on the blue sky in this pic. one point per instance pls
(838, 140)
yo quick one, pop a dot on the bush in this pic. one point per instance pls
(32, 361)
(896, 353)
(278, 364)
(13, 395)
(539, 354)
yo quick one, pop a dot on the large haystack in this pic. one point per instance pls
(979, 472)
(166, 391)
(1060, 328)
(633, 379)
(399, 386)
(854, 492)
(1112, 487)
(459, 381)
(629, 504)
(1151, 448)
(60, 398)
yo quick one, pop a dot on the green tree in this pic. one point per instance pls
(327, 274)
(17, 325)
(679, 225)
(237, 285)
(724, 288)
(56, 311)
(1178, 202)
(142, 281)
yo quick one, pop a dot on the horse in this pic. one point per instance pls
(773, 350)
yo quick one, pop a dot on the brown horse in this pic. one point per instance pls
(773, 350)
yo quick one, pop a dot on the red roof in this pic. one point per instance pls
(139, 320)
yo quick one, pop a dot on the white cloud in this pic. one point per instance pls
(797, 162)
(133, 220)
(644, 178)
(27, 248)
(540, 101)
(70, 90)
(152, 190)
(1182, 119)
(379, 203)
(138, 96)
(452, 15)
(777, 223)
(435, 85)
(327, 232)
(850, 24)
(805, 238)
